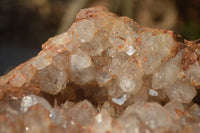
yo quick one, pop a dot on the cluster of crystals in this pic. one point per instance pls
(35, 115)
(139, 80)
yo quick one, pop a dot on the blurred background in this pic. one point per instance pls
(26, 24)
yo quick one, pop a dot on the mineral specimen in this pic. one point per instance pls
(106, 74)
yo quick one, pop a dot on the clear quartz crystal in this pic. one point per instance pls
(52, 80)
(117, 39)
(194, 71)
(31, 100)
(128, 84)
(61, 61)
(167, 74)
(102, 123)
(102, 77)
(120, 36)
(85, 30)
(181, 92)
(86, 116)
(131, 122)
(95, 46)
(60, 39)
(195, 111)
(175, 108)
(84, 76)
(42, 61)
(37, 120)
(19, 80)
(80, 61)
(155, 116)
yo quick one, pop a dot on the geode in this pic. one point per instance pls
(106, 74)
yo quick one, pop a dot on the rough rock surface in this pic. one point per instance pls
(106, 74)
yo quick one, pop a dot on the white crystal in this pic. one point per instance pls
(131, 50)
(121, 100)
(152, 92)
(80, 61)
(30, 100)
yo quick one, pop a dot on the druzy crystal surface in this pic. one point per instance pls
(106, 74)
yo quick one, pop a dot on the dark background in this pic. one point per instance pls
(26, 24)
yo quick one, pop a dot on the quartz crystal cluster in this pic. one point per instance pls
(106, 74)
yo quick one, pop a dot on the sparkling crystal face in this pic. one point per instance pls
(130, 51)
(105, 74)
(121, 100)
